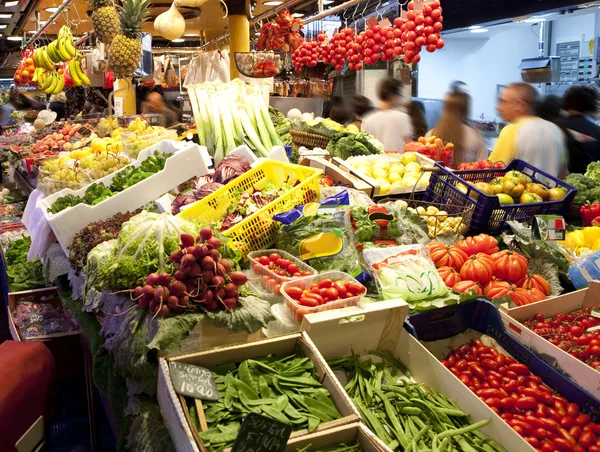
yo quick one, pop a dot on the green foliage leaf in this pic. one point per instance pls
(251, 314)
(148, 431)
(172, 330)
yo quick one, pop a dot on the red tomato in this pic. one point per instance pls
(332, 293)
(354, 288)
(449, 275)
(479, 267)
(263, 260)
(446, 256)
(526, 403)
(294, 292)
(481, 243)
(467, 286)
(274, 257)
(339, 286)
(308, 302)
(325, 283)
(277, 289)
(292, 268)
(582, 420)
(510, 266)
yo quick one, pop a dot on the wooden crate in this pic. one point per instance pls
(335, 436)
(337, 173)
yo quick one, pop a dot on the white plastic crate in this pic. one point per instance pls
(189, 160)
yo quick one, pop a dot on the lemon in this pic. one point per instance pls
(393, 177)
(409, 157)
(397, 168)
(385, 186)
(412, 167)
(420, 210)
(381, 164)
(432, 210)
(379, 173)
(408, 181)
(365, 170)
(411, 175)
(396, 185)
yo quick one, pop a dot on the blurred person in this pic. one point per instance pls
(58, 105)
(527, 137)
(550, 108)
(458, 86)
(416, 111)
(340, 113)
(583, 134)
(361, 105)
(452, 128)
(175, 106)
(389, 125)
(155, 104)
(8, 108)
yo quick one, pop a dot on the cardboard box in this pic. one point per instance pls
(379, 326)
(338, 174)
(333, 437)
(582, 374)
(175, 416)
(392, 158)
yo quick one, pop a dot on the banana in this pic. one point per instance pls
(46, 60)
(80, 73)
(36, 57)
(74, 72)
(69, 47)
(60, 85)
(34, 79)
(42, 77)
(62, 51)
(52, 52)
(48, 82)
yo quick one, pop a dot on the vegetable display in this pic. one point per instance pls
(282, 34)
(322, 292)
(573, 333)
(96, 193)
(282, 125)
(348, 144)
(23, 274)
(231, 114)
(546, 420)
(353, 446)
(284, 388)
(405, 415)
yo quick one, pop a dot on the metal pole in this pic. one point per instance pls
(48, 22)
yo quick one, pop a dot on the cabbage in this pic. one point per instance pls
(142, 247)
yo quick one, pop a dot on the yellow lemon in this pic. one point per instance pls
(420, 210)
(393, 177)
(384, 185)
(379, 173)
(397, 168)
(396, 185)
(409, 157)
(381, 164)
(411, 175)
(366, 170)
(412, 167)
(409, 181)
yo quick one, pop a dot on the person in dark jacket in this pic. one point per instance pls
(583, 136)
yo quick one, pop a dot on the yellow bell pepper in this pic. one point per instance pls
(596, 245)
(590, 235)
(575, 239)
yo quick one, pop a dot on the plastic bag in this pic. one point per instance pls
(323, 241)
(379, 225)
(41, 319)
(405, 272)
(585, 269)
(356, 197)
(340, 199)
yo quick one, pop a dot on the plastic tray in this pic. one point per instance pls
(283, 323)
(488, 215)
(298, 312)
(482, 316)
(395, 158)
(270, 280)
(258, 231)
(189, 160)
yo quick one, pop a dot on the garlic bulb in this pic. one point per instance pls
(170, 24)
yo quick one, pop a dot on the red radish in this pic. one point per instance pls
(180, 276)
(176, 256)
(207, 263)
(230, 289)
(206, 233)
(190, 249)
(152, 279)
(153, 306)
(215, 242)
(148, 290)
(229, 303)
(226, 265)
(187, 261)
(195, 271)
(173, 302)
(187, 240)
(207, 276)
(177, 288)
(238, 278)
(164, 279)
(163, 311)
(214, 253)
(143, 303)
(209, 296)
(221, 270)
(217, 281)
(184, 301)
(138, 292)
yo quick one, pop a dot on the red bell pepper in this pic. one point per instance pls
(588, 212)
(596, 221)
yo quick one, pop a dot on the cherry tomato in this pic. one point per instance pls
(465, 379)
(314, 296)
(263, 260)
(572, 410)
(525, 403)
(339, 286)
(477, 371)
(507, 403)
(332, 293)
(325, 283)
(527, 429)
(277, 289)
(308, 302)
(582, 420)
(292, 268)
(274, 257)
(550, 424)
(354, 288)
(519, 369)
(294, 292)
(315, 289)
(567, 422)
(532, 440)
(563, 445)
(575, 432)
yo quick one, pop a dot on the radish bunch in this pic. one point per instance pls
(421, 30)
(202, 277)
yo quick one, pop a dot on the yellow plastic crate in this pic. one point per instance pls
(258, 231)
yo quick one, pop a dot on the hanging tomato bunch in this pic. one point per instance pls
(282, 34)
(402, 38)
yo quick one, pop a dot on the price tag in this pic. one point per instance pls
(548, 227)
(372, 21)
(385, 23)
(403, 14)
(418, 5)
(193, 381)
(259, 433)
(119, 104)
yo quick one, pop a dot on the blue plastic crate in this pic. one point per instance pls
(483, 316)
(489, 215)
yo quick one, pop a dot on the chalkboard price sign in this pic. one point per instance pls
(261, 434)
(193, 381)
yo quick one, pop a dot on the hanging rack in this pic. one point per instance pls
(54, 15)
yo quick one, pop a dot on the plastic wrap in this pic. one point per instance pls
(42, 319)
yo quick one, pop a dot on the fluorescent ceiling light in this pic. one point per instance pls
(191, 34)
(474, 27)
(2, 27)
(51, 10)
(298, 15)
(480, 30)
(15, 38)
(5, 16)
(11, 4)
(178, 40)
(272, 3)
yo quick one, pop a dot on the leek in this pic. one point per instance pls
(252, 135)
(197, 117)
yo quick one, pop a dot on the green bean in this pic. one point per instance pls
(444, 444)
(373, 422)
(397, 428)
(460, 431)
(414, 441)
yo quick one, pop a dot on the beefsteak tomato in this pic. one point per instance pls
(535, 294)
(481, 243)
(510, 266)
(519, 296)
(479, 267)
(493, 285)
(446, 256)
(537, 281)
(467, 286)
(449, 275)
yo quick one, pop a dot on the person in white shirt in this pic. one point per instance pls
(390, 126)
(534, 140)
(452, 128)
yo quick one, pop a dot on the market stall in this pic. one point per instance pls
(270, 277)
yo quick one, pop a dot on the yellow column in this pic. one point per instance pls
(126, 97)
(239, 38)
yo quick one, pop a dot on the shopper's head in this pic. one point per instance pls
(13, 97)
(155, 102)
(339, 113)
(390, 91)
(549, 108)
(580, 100)
(457, 104)
(517, 100)
(361, 105)
(416, 111)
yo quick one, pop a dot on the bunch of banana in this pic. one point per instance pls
(77, 74)
(62, 48)
(53, 84)
(42, 59)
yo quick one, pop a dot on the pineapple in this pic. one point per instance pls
(105, 20)
(126, 48)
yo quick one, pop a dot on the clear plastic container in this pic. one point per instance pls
(263, 293)
(284, 323)
(270, 280)
(298, 311)
(133, 145)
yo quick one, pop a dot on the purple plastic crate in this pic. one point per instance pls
(482, 316)
(489, 215)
